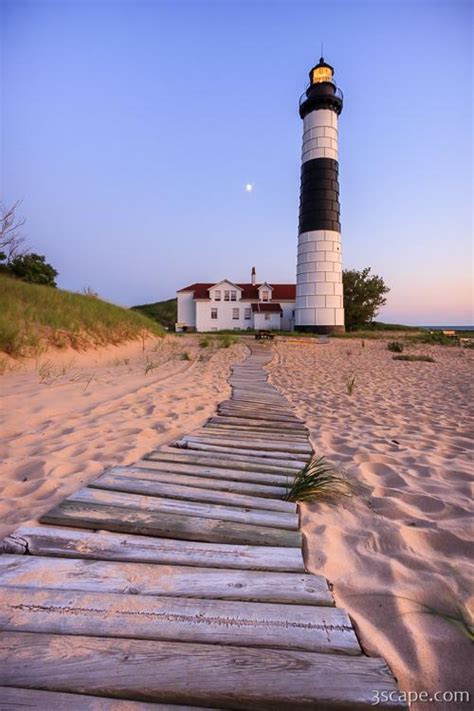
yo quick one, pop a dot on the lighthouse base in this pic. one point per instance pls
(322, 330)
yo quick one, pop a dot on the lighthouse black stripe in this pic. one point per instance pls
(319, 195)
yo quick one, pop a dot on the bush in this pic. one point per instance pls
(395, 346)
(204, 342)
(364, 295)
(33, 268)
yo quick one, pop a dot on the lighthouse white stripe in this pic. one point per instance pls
(319, 300)
(319, 135)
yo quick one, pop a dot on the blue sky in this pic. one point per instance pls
(130, 128)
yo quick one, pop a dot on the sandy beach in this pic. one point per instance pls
(67, 415)
(405, 437)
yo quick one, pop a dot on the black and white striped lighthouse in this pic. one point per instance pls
(319, 299)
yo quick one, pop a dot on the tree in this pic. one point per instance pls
(11, 238)
(33, 268)
(364, 295)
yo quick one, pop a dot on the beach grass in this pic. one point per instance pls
(227, 339)
(395, 346)
(414, 358)
(350, 382)
(318, 480)
(35, 317)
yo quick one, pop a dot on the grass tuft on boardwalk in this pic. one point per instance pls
(318, 480)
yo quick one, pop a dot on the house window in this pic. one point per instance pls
(213, 313)
(267, 317)
(217, 295)
(235, 314)
(233, 296)
(264, 295)
(226, 295)
(248, 314)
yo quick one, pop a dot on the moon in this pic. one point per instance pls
(249, 187)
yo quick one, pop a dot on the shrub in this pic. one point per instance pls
(33, 268)
(184, 356)
(204, 342)
(395, 346)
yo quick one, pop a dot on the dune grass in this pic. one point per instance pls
(318, 480)
(395, 346)
(350, 382)
(35, 317)
(414, 358)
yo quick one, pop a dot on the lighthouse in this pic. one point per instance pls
(319, 295)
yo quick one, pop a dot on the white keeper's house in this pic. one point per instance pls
(226, 306)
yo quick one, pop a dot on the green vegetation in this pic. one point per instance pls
(33, 268)
(318, 480)
(364, 295)
(33, 317)
(164, 312)
(395, 346)
(204, 342)
(227, 339)
(350, 382)
(184, 356)
(414, 358)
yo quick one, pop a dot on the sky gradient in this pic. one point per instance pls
(130, 130)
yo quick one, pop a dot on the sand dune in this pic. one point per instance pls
(405, 437)
(68, 415)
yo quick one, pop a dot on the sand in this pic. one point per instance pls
(405, 437)
(66, 416)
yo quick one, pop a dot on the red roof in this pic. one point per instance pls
(264, 308)
(283, 292)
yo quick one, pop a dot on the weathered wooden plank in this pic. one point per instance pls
(150, 523)
(212, 477)
(262, 401)
(265, 407)
(214, 483)
(256, 517)
(261, 397)
(131, 485)
(260, 453)
(69, 543)
(249, 433)
(12, 698)
(251, 414)
(227, 461)
(235, 421)
(254, 624)
(255, 444)
(37, 572)
(261, 412)
(205, 674)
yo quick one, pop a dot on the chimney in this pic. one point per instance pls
(253, 276)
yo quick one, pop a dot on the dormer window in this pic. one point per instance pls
(265, 291)
(217, 295)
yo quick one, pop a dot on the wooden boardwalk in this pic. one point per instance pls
(179, 582)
